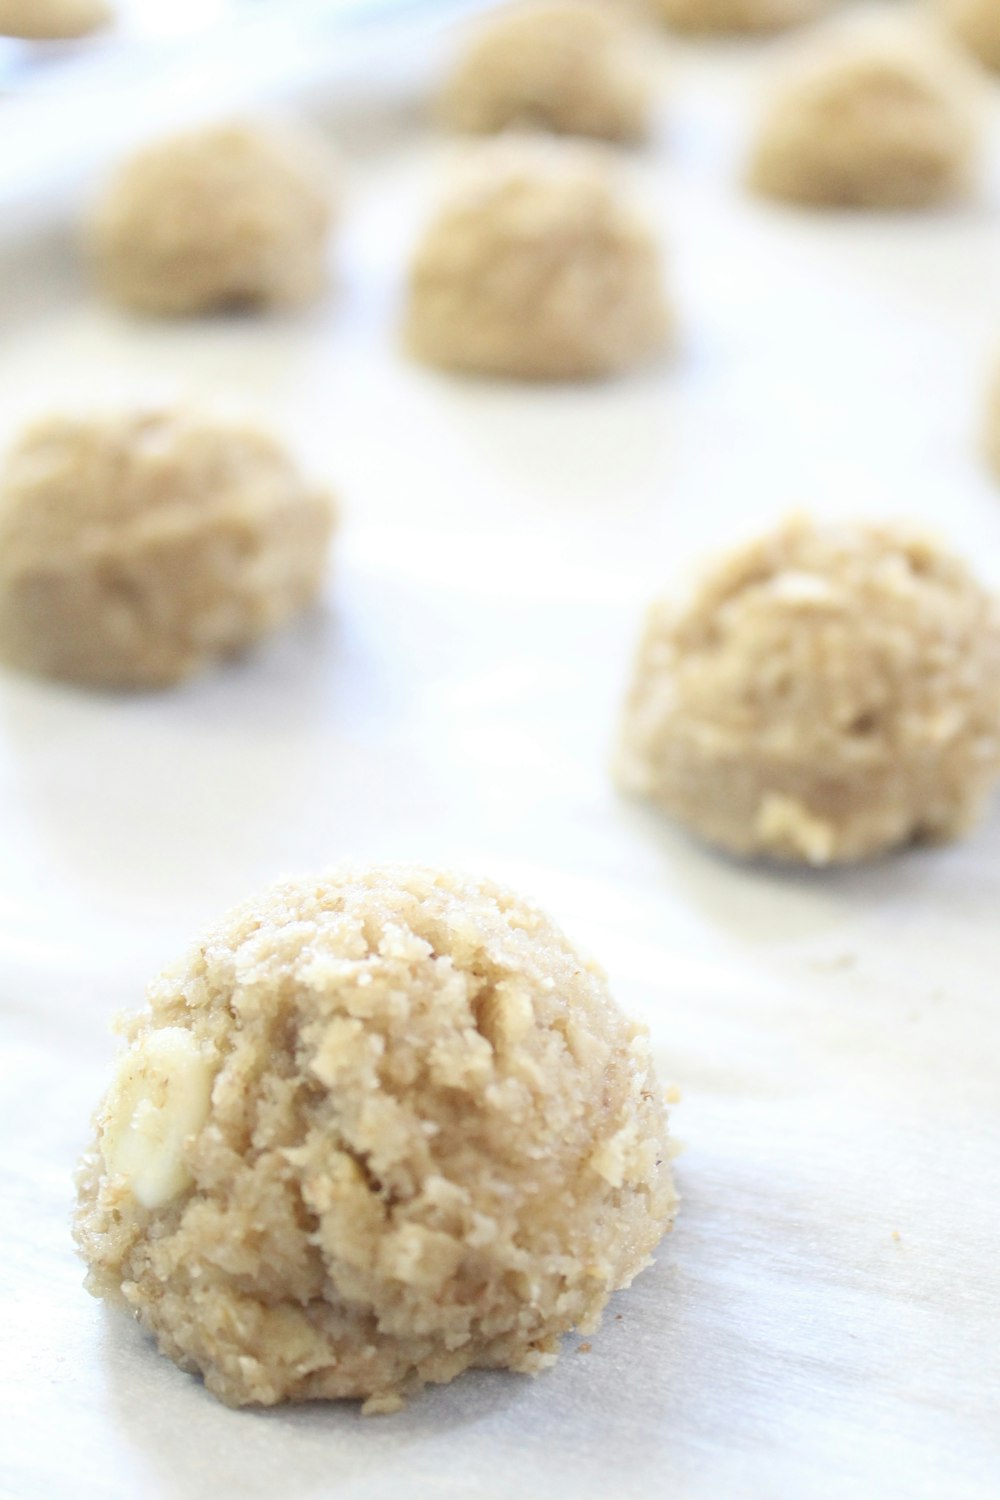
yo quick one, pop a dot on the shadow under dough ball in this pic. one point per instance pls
(136, 549)
(824, 694)
(382, 1127)
(537, 268)
(976, 24)
(575, 69)
(866, 130)
(737, 16)
(233, 216)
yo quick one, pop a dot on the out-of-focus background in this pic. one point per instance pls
(67, 104)
(825, 1320)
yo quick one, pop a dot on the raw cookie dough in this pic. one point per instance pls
(227, 217)
(877, 129)
(539, 270)
(382, 1127)
(976, 23)
(737, 16)
(135, 549)
(52, 20)
(576, 69)
(827, 693)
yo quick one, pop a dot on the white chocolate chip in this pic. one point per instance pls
(787, 820)
(160, 1097)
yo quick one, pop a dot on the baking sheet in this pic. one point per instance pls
(825, 1319)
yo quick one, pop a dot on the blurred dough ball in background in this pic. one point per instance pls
(135, 549)
(573, 68)
(880, 127)
(737, 16)
(229, 216)
(537, 268)
(825, 694)
(52, 20)
(976, 24)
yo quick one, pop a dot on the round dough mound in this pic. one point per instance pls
(229, 217)
(572, 68)
(873, 130)
(52, 20)
(976, 23)
(136, 549)
(538, 270)
(398, 1129)
(828, 693)
(737, 16)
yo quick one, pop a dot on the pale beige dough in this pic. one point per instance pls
(136, 549)
(230, 216)
(976, 23)
(737, 16)
(537, 268)
(573, 68)
(826, 693)
(52, 20)
(381, 1127)
(876, 128)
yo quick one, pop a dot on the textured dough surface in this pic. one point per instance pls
(877, 129)
(827, 693)
(137, 548)
(433, 1143)
(52, 20)
(976, 23)
(227, 217)
(575, 69)
(737, 15)
(538, 269)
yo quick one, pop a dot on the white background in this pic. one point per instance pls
(825, 1319)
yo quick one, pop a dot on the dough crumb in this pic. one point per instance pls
(537, 269)
(431, 1142)
(382, 1406)
(224, 217)
(137, 548)
(737, 16)
(825, 694)
(573, 68)
(877, 127)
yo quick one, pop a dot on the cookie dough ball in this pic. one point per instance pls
(576, 69)
(737, 16)
(872, 130)
(52, 20)
(136, 549)
(540, 270)
(976, 24)
(827, 693)
(229, 217)
(382, 1127)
